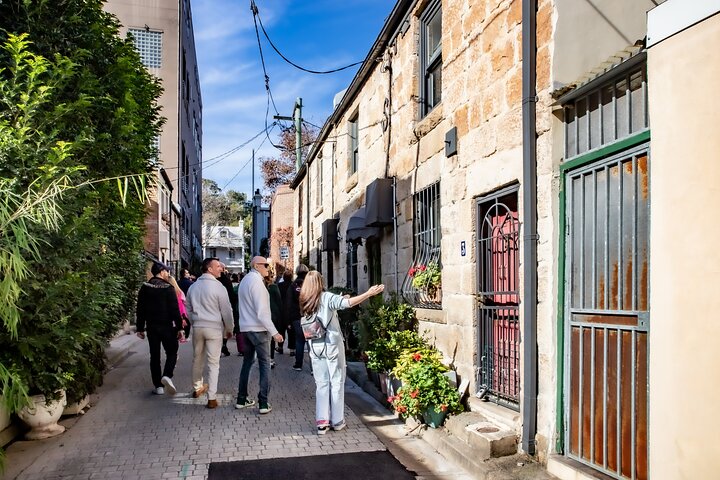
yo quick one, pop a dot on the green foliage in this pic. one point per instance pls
(385, 352)
(424, 385)
(378, 320)
(77, 110)
(426, 277)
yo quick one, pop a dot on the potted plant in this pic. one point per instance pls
(426, 391)
(427, 278)
(377, 322)
(385, 352)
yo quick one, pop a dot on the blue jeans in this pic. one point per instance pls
(256, 342)
(299, 344)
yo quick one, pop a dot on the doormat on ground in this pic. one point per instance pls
(347, 466)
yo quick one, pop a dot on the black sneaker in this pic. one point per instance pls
(225, 352)
(297, 368)
(264, 408)
(244, 403)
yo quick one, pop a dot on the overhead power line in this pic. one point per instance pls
(257, 19)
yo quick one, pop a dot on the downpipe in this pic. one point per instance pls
(529, 216)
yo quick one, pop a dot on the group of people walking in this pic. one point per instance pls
(259, 314)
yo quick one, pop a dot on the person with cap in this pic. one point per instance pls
(257, 326)
(158, 316)
(212, 320)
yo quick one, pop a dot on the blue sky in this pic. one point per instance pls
(316, 34)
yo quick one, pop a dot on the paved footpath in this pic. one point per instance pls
(129, 433)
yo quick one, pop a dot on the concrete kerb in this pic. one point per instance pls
(431, 453)
(398, 437)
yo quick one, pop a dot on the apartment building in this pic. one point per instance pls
(163, 34)
(546, 158)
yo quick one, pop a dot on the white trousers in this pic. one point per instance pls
(207, 344)
(328, 363)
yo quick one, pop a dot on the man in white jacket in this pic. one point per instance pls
(212, 319)
(256, 323)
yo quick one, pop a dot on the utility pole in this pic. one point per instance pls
(297, 119)
(254, 214)
(297, 113)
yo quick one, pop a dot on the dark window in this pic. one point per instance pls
(431, 56)
(352, 266)
(353, 143)
(374, 264)
(300, 205)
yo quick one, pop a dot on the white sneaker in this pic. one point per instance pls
(159, 391)
(169, 385)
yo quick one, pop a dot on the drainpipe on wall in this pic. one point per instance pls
(529, 340)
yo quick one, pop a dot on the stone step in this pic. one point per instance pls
(485, 439)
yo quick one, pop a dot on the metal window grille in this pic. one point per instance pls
(613, 111)
(431, 55)
(148, 43)
(419, 288)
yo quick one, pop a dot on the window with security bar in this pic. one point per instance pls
(422, 286)
(148, 43)
(611, 111)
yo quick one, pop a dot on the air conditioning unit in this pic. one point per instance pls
(164, 239)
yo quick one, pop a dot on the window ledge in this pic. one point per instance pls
(430, 315)
(318, 211)
(428, 123)
(352, 181)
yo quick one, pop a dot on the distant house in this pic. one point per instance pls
(227, 244)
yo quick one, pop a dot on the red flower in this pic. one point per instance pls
(414, 393)
(416, 357)
(402, 408)
(391, 399)
(411, 272)
(422, 268)
(443, 408)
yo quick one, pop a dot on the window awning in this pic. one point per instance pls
(356, 228)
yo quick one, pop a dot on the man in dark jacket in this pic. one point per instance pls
(185, 280)
(232, 296)
(158, 314)
(294, 316)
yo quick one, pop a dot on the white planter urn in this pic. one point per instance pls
(42, 418)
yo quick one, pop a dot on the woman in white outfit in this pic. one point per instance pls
(328, 354)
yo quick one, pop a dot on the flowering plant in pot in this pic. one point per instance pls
(426, 391)
(426, 277)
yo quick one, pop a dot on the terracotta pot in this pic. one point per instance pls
(42, 418)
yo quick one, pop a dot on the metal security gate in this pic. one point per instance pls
(498, 298)
(606, 314)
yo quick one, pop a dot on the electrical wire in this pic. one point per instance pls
(249, 160)
(256, 14)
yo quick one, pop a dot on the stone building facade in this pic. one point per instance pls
(507, 144)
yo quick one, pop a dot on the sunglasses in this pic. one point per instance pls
(266, 265)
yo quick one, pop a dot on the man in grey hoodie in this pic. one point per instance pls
(212, 319)
(256, 323)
